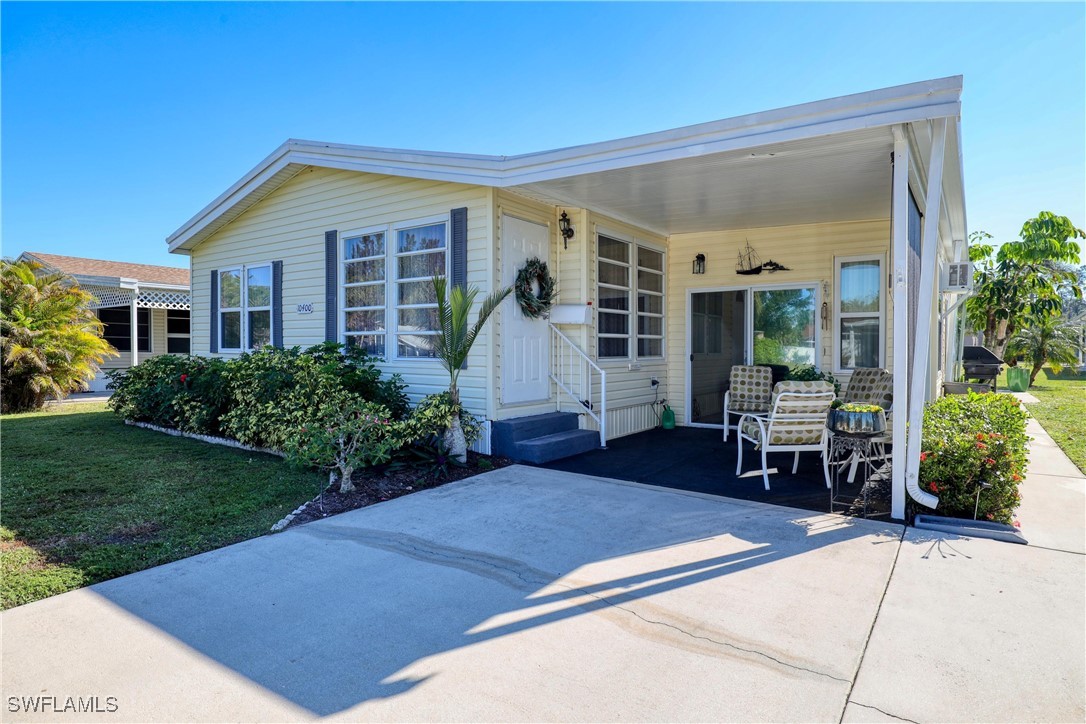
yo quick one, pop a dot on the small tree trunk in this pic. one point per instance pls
(1035, 371)
(455, 441)
(345, 484)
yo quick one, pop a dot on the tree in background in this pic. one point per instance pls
(52, 340)
(453, 344)
(1020, 283)
(1047, 341)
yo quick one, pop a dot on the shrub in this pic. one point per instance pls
(431, 418)
(273, 391)
(51, 339)
(188, 393)
(768, 351)
(345, 433)
(970, 439)
(809, 373)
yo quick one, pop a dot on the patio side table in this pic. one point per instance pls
(843, 446)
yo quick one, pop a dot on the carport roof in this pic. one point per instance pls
(827, 160)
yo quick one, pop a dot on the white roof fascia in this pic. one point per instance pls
(900, 104)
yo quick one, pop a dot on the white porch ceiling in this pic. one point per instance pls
(843, 177)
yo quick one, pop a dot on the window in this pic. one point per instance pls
(245, 305)
(118, 328)
(650, 303)
(364, 291)
(626, 271)
(858, 313)
(178, 340)
(613, 298)
(392, 288)
(420, 256)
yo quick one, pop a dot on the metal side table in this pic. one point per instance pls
(843, 447)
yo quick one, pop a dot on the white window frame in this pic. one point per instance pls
(662, 294)
(632, 291)
(343, 261)
(392, 297)
(838, 315)
(244, 309)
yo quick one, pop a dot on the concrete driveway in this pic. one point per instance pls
(528, 594)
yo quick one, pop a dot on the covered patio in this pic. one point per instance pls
(697, 460)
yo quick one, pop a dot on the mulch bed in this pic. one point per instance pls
(376, 486)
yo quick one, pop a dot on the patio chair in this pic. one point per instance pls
(750, 391)
(796, 423)
(871, 386)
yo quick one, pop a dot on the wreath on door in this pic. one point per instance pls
(535, 304)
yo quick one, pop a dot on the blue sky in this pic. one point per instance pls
(120, 121)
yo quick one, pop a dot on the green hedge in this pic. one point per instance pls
(259, 398)
(969, 439)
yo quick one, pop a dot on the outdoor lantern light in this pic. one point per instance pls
(566, 228)
(699, 264)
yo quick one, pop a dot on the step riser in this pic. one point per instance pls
(505, 434)
(542, 450)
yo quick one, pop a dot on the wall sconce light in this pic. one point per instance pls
(699, 264)
(566, 227)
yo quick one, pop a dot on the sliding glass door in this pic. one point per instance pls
(784, 327)
(748, 325)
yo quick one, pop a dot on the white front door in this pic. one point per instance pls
(525, 352)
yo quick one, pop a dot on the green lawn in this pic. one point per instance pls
(87, 498)
(1061, 410)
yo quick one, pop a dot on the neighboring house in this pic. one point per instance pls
(860, 197)
(144, 308)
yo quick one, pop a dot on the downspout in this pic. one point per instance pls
(928, 263)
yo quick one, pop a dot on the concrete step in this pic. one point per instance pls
(504, 434)
(555, 446)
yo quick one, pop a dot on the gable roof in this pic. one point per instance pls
(909, 103)
(79, 266)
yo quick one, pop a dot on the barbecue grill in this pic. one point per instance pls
(982, 365)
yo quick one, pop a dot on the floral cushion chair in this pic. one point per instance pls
(871, 386)
(750, 391)
(796, 423)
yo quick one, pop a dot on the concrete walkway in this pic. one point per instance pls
(529, 594)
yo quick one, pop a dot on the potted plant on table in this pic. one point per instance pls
(854, 418)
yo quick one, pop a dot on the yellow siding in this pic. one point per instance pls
(808, 250)
(289, 226)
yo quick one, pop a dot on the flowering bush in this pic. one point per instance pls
(188, 393)
(973, 439)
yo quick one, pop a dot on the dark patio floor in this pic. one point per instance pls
(696, 459)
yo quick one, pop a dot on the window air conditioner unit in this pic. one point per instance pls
(956, 278)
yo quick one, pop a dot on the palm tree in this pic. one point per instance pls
(51, 340)
(455, 342)
(1048, 340)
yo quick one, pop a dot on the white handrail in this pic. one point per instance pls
(572, 372)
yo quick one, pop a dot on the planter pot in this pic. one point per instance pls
(856, 423)
(1018, 379)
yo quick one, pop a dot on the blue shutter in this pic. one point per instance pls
(459, 246)
(214, 346)
(277, 304)
(331, 286)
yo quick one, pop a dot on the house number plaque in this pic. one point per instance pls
(305, 308)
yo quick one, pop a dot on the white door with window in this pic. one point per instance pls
(525, 352)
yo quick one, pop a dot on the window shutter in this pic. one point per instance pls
(331, 284)
(459, 218)
(277, 304)
(214, 346)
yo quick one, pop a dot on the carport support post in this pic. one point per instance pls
(900, 293)
(134, 332)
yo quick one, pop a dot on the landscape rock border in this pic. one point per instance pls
(214, 440)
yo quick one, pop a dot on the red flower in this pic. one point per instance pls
(923, 456)
(980, 435)
(1016, 477)
(981, 446)
(184, 377)
(934, 487)
(989, 461)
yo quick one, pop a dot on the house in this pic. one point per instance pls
(858, 201)
(144, 308)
